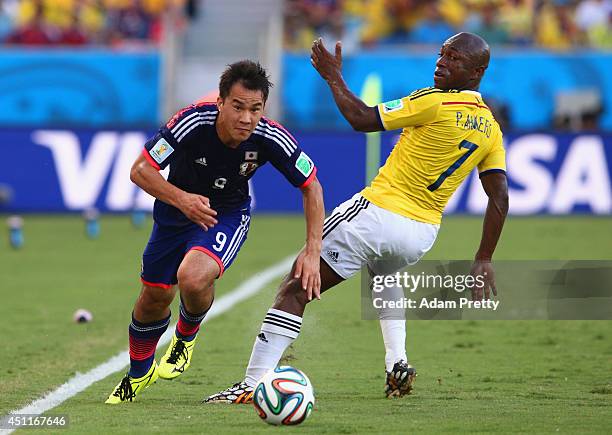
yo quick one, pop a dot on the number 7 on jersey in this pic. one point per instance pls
(471, 147)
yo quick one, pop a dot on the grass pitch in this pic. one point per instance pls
(486, 376)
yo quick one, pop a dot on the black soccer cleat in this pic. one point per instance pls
(240, 392)
(400, 379)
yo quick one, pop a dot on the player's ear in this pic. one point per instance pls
(219, 101)
(481, 70)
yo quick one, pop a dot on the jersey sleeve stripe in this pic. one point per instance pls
(205, 115)
(194, 125)
(420, 91)
(310, 178)
(195, 120)
(286, 148)
(283, 134)
(449, 103)
(186, 125)
(274, 139)
(491, 171)
(180, 124)
(289, 141)
(147, 156)
(435, 91)
(195, 112)
(275, 124)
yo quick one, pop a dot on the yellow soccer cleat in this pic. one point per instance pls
(129, 387)
(177, 358)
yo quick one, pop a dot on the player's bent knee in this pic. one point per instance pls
(195, 283)
(197, 273)
(155, 299)
(291, 292)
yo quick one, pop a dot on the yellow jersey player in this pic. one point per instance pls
(447, 131)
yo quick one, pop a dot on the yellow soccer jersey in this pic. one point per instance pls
(445, 134)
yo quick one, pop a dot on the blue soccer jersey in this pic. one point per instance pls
(200, 163)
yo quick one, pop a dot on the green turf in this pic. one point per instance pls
(487, 376)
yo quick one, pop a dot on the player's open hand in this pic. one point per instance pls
(328, 65)
(197, 209)
(484, 274)
(307, 268)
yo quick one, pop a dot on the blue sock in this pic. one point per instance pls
(143, 341)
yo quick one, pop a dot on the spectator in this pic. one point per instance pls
(390, 21)
(454, 12)
(592, 19)
(306, 20)
(128, 22)
(517, 17)
(34, 31)
(600, 35)
(74, 22)
(91, 17)
(7, 18)
(555, 28)
(591, 13)
(432, 29)
(488, 26)
(73, 34)
(324, 16)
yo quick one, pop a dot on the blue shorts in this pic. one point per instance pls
(168, 246)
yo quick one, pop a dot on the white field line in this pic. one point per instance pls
(81, 381)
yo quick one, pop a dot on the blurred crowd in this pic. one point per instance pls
(79, 22)
(549, 24)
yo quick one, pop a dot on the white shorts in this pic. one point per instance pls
(359, 233)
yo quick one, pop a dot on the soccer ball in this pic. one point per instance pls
(284, 396)
(82, 316)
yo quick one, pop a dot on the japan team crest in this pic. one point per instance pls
(247, 168)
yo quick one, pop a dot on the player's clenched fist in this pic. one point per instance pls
(197, 209)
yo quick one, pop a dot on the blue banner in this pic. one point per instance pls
(71, 170)
(526, 82)
(54, 88)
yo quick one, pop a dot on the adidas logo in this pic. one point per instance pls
(333, 255)
(201, 161)
(262, 337)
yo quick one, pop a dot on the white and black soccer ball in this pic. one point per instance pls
(284, 396)
(82, 316)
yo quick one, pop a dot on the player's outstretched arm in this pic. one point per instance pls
(496, 188)
(195, 207)
(361, 116)
(307, 263)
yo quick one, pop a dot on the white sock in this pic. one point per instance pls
(394, 336)
(278, 330)
(393, 327)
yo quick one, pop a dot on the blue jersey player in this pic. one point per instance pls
(202, 215)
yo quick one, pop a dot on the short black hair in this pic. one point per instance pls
(250, 74)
